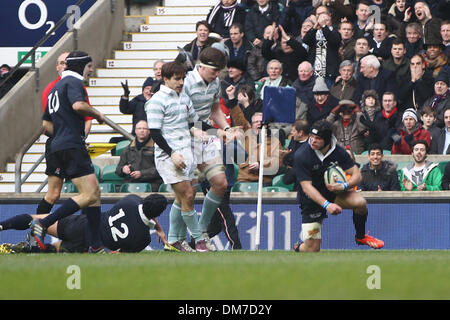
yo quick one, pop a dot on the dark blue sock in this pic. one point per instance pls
(19, 222)
(44, 207)
(67, 208)
(93, 215)
(359, 221)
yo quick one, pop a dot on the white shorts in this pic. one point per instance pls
(207, 152)
(311, 230)
(170, 174)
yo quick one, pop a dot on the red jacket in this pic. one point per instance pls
(419, 134)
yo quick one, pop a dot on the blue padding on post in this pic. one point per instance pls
(279, 104)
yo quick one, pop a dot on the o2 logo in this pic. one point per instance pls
(43, 15)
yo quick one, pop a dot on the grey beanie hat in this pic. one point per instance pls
(320, 86)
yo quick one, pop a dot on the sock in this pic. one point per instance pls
(44, 207)
(191, 221)
(359, 221)
(19, 222)
(210, 205)
(93, 215)
(176, 223)
(67, 208)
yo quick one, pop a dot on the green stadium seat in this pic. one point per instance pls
(134, 187)
(236, 170)
(403, 164)
(277, 181)
(442, 165)
(69, 187)
(165, 188)
(106, 187)
(258, 87)
(365, 153)
(109, 174)
(121, 145)
(286, 144)
(385, 152)
(245, 187)
(97, 171)
(274, 189)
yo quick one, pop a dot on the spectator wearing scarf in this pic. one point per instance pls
(223, 15)
(440, 101)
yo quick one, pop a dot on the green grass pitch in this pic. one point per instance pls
(278, 275)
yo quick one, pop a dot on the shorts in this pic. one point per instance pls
(72, 230)
(51, 168)
(170, 174)
(312, 212)
(70, 163)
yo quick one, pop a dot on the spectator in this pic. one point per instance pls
(295, 14)
(223, 15)
(446, 177)
(323, 103)
(362, 25)
(440, 101)
(440, 144)
(236, 77)
(248, 102)
(430, 26)
(305, 82)
(435, 59)
(386, 121)
(157, 65)
(306, 26)
(262, 14)
(370, 107)
(347, 47)
(136, 105)
(275, 78)
(380, 43)
(361, 50)
(290, 52)
(414, 39)
(417, 86)
(203, 40)
(344, 87)
(445, 34)
(375, 77)
(346, 124)
(238, 45)
(300, 135)
(340, 10)
(256, 63)
(4, 73)
(324, 42)
(378, 174)
(410, 131)
(428, 118)
(396, 15)
(249, 170)
(398, 63)
(422, 175)
(137, 161)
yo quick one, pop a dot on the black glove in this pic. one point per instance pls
(126, 91)
(409, 138)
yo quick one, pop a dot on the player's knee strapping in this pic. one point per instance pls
(213, 170)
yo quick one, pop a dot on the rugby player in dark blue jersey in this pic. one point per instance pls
(316, 199)
(64, 119)
(125, 227)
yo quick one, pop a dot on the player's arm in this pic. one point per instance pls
(48, 126)
(219, 117)
(87, 127)
(317, 197)
(83, 108)
(160, 232)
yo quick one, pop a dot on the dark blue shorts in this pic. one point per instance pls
(70, 164)
(312, 212)
(72, 230)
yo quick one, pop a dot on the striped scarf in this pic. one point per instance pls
(437, 98)
(228, 14)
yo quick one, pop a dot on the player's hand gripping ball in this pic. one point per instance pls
(335, 175)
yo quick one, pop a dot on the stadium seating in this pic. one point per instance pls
(403, 164)
(121, 145)
(109, 174)
(165, 188)
(97, 171)
(278, 182)
(136, 187)
(385, 152)
(245, 187)
(274, 189)
(69, 187)
(106, 187)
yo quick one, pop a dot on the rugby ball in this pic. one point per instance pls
(334, 174)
